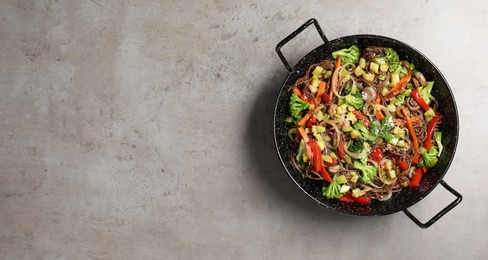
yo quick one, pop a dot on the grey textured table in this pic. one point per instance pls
(143, 129)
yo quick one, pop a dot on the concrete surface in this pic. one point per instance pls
(143, 130)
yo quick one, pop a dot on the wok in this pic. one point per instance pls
(404, 199)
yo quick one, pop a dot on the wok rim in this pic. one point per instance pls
(384, 39)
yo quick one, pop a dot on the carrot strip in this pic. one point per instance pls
(303, 134)
(320, 91)
(297, 91)
(362, 117)
(379, 114)
(338, 62)
(304, 119)
(402, 84)
(406, 114)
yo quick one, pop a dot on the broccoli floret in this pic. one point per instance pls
(403, 70)
(425, 92)
(390, 58)
(359, 125)
(350, 55)
(356, 146)
(355, 100)
(296, 106)
(430, 157)
(378, 128)
(368, 171)
(390, 138)
(301, 157)
(333, 190)
(438, 140)
(400, 98)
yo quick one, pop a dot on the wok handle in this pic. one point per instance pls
(453, 204)
(295, 33)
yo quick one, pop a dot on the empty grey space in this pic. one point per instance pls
(144, 130)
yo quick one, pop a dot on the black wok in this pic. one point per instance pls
(400, 201)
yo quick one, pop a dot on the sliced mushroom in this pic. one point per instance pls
(416, 82)
(368, 93)
(420, 77)
(334, 169)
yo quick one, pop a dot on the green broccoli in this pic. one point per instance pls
(350, 55)
(378, 128)
(359, 125)
(425, 92)
(333, 190)
(368, 171)
(301, 157)
(355, 100)
(438, 140)
(296, 106)
(390, 138)
(389, 58)
(401, 98)
(356, 146)
(430, 157)
(402, 70)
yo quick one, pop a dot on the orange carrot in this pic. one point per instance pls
(320, 91)
(406, 114)
(379, 114)
(402, 84)
(362, 117)
(304, 119)
(303, 134)
(297, 91)
(338, 62)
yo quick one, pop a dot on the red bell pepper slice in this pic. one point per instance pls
(430, 130)
(317, 161)
(325, 174)
(420, 100)
(308, 99)
(361, 116)
(402, 84)
(347, 197)
(376, 155)
(327, 98)
(334, 162)
(403, 165)
(416, 158)
(340, 149)
(311, 121)
(362, 200)
(419, 172)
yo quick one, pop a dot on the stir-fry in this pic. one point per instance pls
(364, 124)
